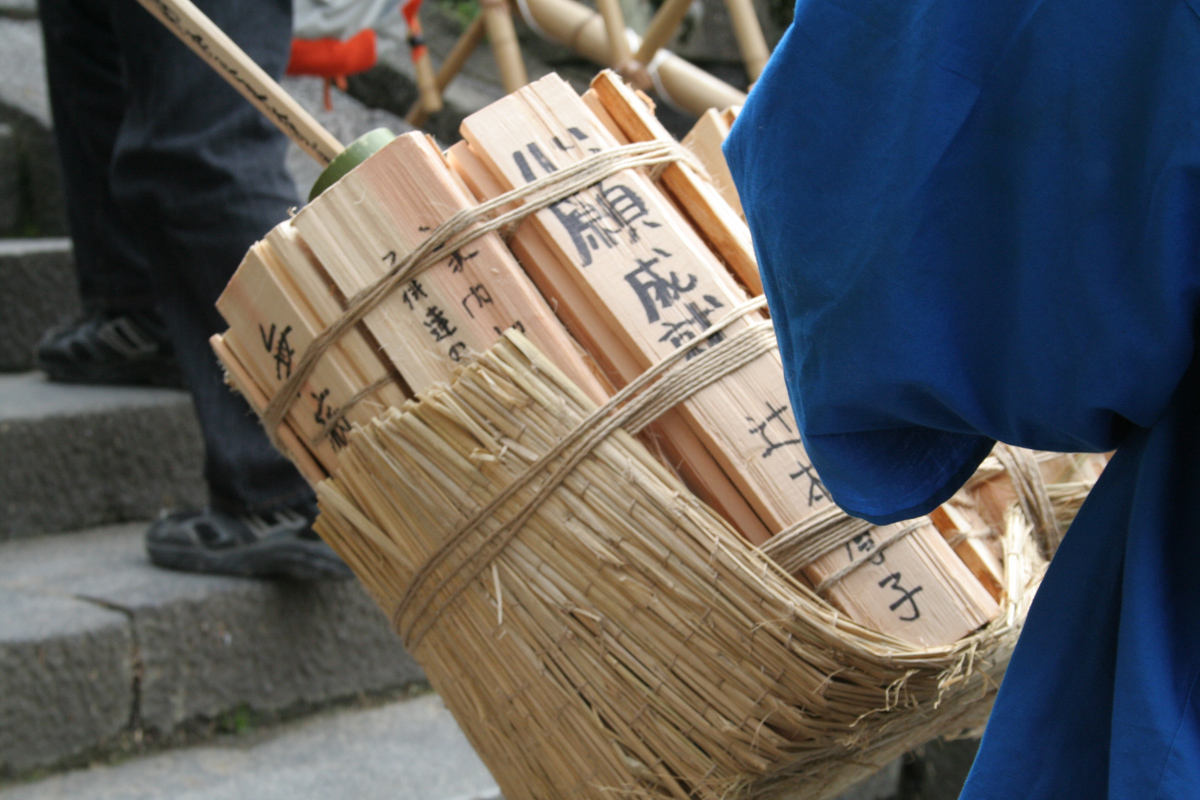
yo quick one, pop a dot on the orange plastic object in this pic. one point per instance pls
(416, 39)
(333, 59)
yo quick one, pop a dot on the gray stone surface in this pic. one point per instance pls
(25, 106)
(23, 67)
(883, 785)
(10, 182)
(37, 290)
(18, 9)
(207, 644)
(77, 456)
(409, 750)
(66, 678)
(936, 771)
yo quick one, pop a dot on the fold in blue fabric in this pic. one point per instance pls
(980, 222)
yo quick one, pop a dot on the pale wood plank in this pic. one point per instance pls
(978, 544)
(704, 140)
(376, 216)
(613, 258)
(269, 330)
(670, 437)
(239, 378)
(700, 199)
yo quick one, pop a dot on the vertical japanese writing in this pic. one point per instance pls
(863, 543)
(439, 327)
(458, 260)
(775, 424)
(280, 349)
(476, 298)
(412, 293)
(807, 473)
(326, 412)
(906, 596)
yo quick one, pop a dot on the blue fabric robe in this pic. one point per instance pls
(980, 221)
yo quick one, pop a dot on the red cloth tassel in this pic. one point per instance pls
(333, 59)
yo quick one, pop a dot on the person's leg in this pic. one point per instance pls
(203, 175)
(119, 338)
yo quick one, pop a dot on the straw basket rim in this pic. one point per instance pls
(922, 693)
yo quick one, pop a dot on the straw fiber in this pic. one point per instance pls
(599, 632)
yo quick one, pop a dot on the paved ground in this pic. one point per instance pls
(408, 750)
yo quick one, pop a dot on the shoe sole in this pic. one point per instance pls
(133, 374)
(303, 561)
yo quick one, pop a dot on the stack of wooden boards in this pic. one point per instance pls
(606, 283)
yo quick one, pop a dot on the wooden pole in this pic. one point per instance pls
(749, 35)
(618, 43)
(497, 19)
(662, 27)
(451, 66)
(209, 42)
(582, 29)
(428, 95)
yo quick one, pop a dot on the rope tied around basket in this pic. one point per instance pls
(458, 231)
(1035, 503)
(642, 401)
(633, 408)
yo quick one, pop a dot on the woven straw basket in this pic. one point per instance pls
(599, 632)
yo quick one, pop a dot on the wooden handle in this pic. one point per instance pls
(614, 21)
(451, 66)
(209, 42)
(750, 39)
(662, 28)
(430, 97)
(505, 47)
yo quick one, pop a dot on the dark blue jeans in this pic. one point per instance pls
(169, 177)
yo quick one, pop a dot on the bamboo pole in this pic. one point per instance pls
(749, 35)
(618, 42)
(497, 19)
(662, 27)
(451, 66)
(209, 42)
(582, 29)
(428, 95)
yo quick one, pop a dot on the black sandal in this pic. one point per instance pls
(129, 349)
(280, 544)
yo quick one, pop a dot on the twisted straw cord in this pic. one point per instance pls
(806, 540)
(887, 542)
(632, 408)
(1031, 492)
(457, 232)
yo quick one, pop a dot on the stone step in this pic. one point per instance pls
(18, 9)
(25, 108)
(408, 750)
(72, 457)
(102, 653)
(37, 290)
(103, 656)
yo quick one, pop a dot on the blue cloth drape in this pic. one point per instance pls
(979, 222)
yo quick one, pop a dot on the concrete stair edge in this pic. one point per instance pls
(73, 457)
(102, 652)
(39, 290)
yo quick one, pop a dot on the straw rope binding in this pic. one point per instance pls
(458, 231)
(599, 632)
